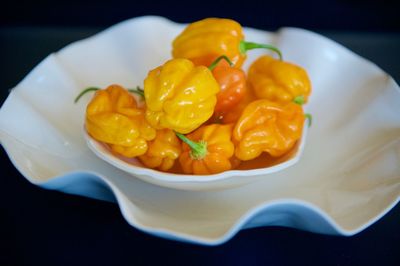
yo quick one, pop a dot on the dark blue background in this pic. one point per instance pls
(367, 15)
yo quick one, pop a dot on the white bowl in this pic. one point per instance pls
(227, 179)
(347, 177)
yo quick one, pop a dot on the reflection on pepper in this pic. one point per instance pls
(180, 96)
(266, 126)
(205, 40)
(233, 115)
(207, 150)
(112, 117)
(162, 151)
(278, 80)
(232, 82)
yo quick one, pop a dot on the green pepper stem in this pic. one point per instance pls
(309, 118)
(299, 100)
(198, 150)
(246, 46)
(216, 61)
(139, 91)
(84, 92)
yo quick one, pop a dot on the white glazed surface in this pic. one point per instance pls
(347, 177)
(227, 179)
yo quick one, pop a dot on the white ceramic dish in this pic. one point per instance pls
(347, 178)
(227, 179)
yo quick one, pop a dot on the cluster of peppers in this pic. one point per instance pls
(200, 108)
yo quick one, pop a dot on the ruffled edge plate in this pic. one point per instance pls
(348, 177)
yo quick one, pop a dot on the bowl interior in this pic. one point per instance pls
(263, 165)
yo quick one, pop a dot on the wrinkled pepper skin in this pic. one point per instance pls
(266, 126)
(162, 151)
(205, 40)
(220, 149)
(180, 96)
(278, 80)
(112, 117)
(232, 82)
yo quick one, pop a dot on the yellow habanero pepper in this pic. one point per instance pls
(207, 150)
(280, 81)
(266, 126)
(205, 40)
(162, 151)
(179, 95)
(112, 117)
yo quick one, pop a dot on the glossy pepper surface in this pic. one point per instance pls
(180, 96)
(232, 82)
(235, 112)
(209, 150)
(205, 40)
(162, 151)
(113, 117)
(278, 80)
(266, 126)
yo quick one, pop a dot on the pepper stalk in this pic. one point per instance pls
(300, 101)
(216, 61)
(245, 46)
(139, 91)
(198, 150)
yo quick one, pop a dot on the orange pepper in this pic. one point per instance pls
(205, 40)
(232, 82)
(235, 112)
(162, 151)
(280, 81)
(207, 150)
(113, 117)
(266, 126)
